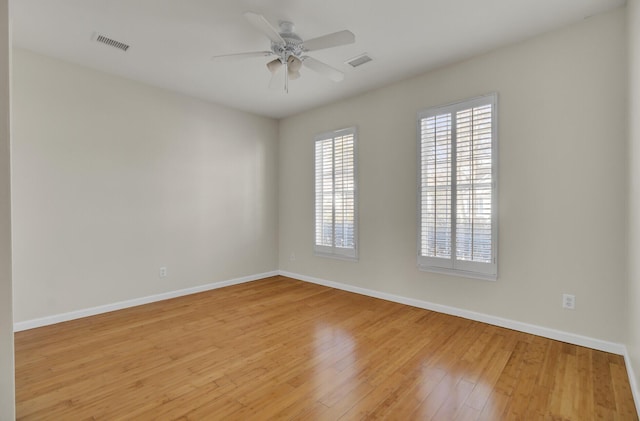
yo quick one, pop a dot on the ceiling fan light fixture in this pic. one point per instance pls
(293, 75)
(294, 64)
(274, 65)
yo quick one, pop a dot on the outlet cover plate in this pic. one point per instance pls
(569, 301)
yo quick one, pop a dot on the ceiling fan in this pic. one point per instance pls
(290, 51)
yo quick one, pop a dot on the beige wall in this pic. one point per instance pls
(562, 145)
(6, 324)
(633, 342)
(113, 179)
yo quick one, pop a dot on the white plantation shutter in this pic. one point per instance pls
(436, 186)
(335, 194)
(457, 189)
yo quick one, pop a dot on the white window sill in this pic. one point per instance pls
(336, 256)
(461, 273)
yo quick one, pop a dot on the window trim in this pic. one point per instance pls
(449, 266)
(332, 251)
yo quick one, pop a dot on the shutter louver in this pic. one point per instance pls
(436, 186)
(344, 192)
(324, 193)
(474, 184)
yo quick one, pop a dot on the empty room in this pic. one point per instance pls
(253, 210)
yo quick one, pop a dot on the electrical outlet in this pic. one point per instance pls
(292, 257)
(163, 272)
(569, 301)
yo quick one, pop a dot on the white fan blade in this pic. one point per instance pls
(330, 40)
(324, 69)
(263, 25)
(239, 56)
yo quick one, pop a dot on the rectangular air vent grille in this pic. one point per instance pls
(112, 42)
(359, 60)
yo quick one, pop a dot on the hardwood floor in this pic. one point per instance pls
(284, 349)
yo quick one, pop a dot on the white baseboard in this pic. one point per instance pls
(571, 338)
(633, 382)
(559, 335)
(58, 318)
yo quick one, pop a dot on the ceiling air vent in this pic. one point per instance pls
(359, 60)
(111, 42)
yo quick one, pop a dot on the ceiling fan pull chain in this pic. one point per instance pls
(286, 76)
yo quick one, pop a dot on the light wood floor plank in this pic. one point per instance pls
(285, 349)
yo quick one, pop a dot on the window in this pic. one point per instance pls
(336, 228)
(457, 190)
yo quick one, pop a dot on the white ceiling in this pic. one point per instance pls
(172, 41)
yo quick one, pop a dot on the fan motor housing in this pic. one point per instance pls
(293, 45)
